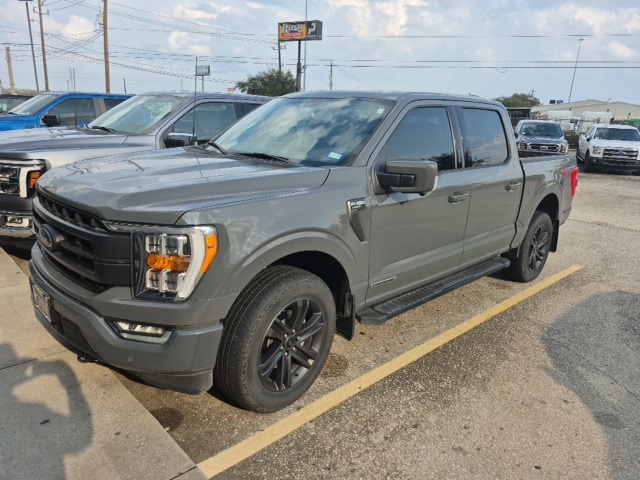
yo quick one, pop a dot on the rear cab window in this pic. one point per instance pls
(485, 139)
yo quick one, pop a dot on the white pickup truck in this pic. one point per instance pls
(614, 147)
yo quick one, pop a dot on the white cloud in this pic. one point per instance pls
(182, 42)
(620, 51)
(77, 26)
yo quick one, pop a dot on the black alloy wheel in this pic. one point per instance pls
(538, 248)
(588, 164)
(528, 260)
(291, 345)
(276, 339)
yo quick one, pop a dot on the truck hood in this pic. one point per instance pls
(599, 142)
(12, 122)
(158, 187)
(44, 139)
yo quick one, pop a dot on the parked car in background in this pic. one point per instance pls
(612, 147)
(59, 109)
(536, 137)
(8, 101)
(144, 122)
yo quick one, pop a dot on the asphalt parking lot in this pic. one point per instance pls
(549, 388)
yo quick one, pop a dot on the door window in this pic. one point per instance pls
(424, 133)
(74, 111)
(211, 119)
(487, 142)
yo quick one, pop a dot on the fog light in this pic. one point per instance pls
(17, 222)
(141, 332)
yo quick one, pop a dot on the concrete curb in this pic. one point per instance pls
(61, 418)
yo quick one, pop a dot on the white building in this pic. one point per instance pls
(620, 111)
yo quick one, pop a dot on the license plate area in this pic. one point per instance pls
(42, 301)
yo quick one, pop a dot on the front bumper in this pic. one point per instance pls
(184, 363)
(622, 165)
(10, 228)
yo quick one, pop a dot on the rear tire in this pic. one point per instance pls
(528, 260)
(276, 339)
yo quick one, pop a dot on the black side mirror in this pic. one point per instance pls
(516, 134)
(408, 176)
(175, 140)
(51, 120)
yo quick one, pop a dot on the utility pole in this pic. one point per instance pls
(124, 81)
(279, 57)
(304, 83)
(12, 85)
(33, 53)
(105, 32)
(575, 68)
(330, 75)
(44, 53)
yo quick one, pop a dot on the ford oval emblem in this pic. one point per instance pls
(49, 237)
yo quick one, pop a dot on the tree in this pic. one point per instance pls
(519, 100)
(271, 83)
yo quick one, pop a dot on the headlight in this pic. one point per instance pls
(564, 148)
(522, 146)
(597, 151)
(168, 262)
(20, 179)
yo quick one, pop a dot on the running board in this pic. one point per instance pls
(379, 314)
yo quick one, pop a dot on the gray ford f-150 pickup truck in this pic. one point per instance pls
(151, 121)
(237, 263)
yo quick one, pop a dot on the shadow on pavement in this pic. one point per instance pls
(595, 348)
(44, 417)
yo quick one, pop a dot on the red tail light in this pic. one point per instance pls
(574, 181)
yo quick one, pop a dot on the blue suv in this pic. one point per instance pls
(59, 109)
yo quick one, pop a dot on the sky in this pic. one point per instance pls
(488, 48)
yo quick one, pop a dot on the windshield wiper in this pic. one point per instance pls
(106, 129)
(266, 156)
(216, 146)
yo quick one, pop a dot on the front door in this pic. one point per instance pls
(414, 238)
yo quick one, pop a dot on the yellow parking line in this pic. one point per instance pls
(261, 440)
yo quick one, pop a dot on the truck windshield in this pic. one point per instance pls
(306, 131)
(625, 134)
(138, 115)
(33, 105)
(542, 130)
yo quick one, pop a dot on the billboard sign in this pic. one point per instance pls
(203, 70)
(300, 31)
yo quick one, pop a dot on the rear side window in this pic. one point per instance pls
(424, 133)
(486, 139)
(109, 103)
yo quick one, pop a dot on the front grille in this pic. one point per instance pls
(623, 154)
(545, 147)
(82, 248)
(71, 215)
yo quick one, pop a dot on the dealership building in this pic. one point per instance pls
(619, 111)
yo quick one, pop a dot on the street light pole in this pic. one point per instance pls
(575, 68)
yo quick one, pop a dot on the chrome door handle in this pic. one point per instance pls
(512, 186)
(457, 198)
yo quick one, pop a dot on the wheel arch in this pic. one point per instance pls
(318, 253)
(550, 205)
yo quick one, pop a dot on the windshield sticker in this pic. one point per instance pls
(380, 111)
(335, 155)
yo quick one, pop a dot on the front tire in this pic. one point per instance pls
(588, 164)
(528, 260)
(276, 339)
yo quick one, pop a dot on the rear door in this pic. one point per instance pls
(496, 181)
(416, 238)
